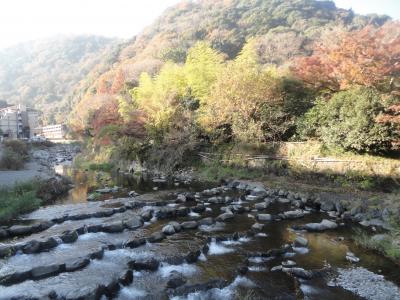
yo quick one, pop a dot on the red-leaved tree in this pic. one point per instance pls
(369, 57)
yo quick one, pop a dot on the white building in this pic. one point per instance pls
(18, 121)
(52, 132)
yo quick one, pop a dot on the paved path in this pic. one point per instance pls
(31, 170)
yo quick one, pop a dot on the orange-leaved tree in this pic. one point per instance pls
(369, 57)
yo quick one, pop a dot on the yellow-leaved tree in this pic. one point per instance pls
(240, 95)
(159, 97)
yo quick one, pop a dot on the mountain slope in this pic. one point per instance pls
(283, 29)
(43, 74)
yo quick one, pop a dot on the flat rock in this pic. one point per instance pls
(257, 226)
(147, 264)
(264, 217)
(76, 264)
(300, 241)
(113, 227)
(189, 225)
(133, 223)
(136, 242)
(206, 221)
(156, 237)
(261, 205)
(324, 225)
(225, 216)
(19, 230)
(293, 214)
(46, 271)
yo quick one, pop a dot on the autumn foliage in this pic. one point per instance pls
(369, 57)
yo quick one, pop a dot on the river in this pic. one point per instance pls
(115, 249)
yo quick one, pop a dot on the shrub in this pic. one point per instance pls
(17, 200)
(18, 147)
(347, 121)
(11, 160)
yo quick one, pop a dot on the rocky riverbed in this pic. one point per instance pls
(232, 241)
(41, 164)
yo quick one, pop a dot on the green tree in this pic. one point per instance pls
(348, 121)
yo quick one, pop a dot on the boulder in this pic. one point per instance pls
(264, 217)
(69, 236)
(206, 221)
(156, 237)
(97, 254)
(261, 205)
(181, 198)
(3, 233)
(176, 226)
(300, 242)
(293, 214)
(146, 215)
(253, 198)
(168, 229)
(225, 216)
(189, 225)
(113, 227)
(352, 258)
(199, 208)
(324, 225)
(175, 280)
(288, 264)
(31, 247)
(192, 256)
(136, 242)
(6, 250)
(17, 230)
(15, 277)
(112, 288)
(259, 191)
(182, 211)
(257, 226)
(298, 272)
(146, 264)
(126, 278)
(48, 244)
(134, 223)
(165, 213)
(328, 205)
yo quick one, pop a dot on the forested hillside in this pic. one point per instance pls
(283, 29)
(43, 74)
(209, 73)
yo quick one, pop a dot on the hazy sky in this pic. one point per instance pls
(22, 20)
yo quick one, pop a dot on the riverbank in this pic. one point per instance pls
(36, 184)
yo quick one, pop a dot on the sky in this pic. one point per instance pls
(24, 20)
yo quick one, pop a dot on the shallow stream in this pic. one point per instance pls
(234, 262)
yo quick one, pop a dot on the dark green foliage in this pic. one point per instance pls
(14, 154)
(106, 167)
(10, 160)
(18, 200)
(18, 147)
(348, 121)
